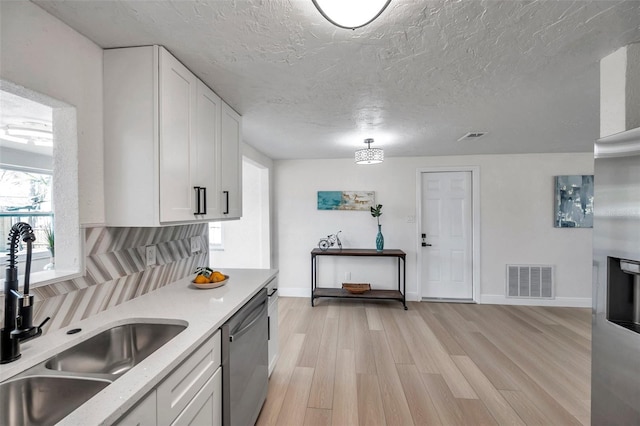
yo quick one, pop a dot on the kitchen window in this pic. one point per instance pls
(216, 236)
(26, 196)
(38, 167)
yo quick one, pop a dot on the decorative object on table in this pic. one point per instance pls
(369, 155)
(377, 212)
(351, 14)
(50, 238)
(573, 201)
(345, 200)
(355, 288)
(330, 241)
(208, 278)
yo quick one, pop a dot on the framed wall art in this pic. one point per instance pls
(574, 201)
(346, 200)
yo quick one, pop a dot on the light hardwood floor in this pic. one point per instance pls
(347, 362)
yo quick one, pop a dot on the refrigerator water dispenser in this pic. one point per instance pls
(623, 286)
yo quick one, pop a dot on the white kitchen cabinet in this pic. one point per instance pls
(168, 143)
(272, 294)
(206, 407)
(177, 153)
(231, 167)
(208, 153)
(180, 388)
(142, 414)
(190, 394)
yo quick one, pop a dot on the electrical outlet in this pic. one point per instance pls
(195, 244)
(347, 276)
(151, 255)
(411, 219)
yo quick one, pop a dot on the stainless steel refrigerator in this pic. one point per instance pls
(615, 376)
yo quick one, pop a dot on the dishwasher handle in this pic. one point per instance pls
(236, 335)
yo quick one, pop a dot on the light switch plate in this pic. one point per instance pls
(151, 255)
(195, 244)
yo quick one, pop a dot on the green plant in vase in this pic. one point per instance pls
(377, 212)
(51, 246)
(49, 235)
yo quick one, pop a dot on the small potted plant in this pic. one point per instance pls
(377, 212)
(49, 235)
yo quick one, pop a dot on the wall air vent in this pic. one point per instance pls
(530, 281)
(472, 136)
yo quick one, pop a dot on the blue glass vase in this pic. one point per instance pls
(379, 239)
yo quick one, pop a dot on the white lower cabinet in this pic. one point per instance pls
(143, 414)
(206, 407)
(190, 394)
(273, 333)
(181, 386)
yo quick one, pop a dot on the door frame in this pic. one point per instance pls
(475, 219)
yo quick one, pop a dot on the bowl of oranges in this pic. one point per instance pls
(208, 278)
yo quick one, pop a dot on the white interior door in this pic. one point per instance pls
(447, 226)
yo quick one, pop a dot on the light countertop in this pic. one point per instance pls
(204, 310)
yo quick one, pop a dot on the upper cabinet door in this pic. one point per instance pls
(207, 150)
(231, 185)
(172, 146)
(177, 119)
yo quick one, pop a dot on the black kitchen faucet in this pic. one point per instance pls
(18, 307)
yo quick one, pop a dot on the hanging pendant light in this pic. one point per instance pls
(369, 155)
(351, 14)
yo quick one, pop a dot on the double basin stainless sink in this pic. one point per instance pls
(49, 391)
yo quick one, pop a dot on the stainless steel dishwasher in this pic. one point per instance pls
(245, 363)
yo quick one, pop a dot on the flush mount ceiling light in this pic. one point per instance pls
(40, 134)
(351, 14)
(369, 155)
(5, 136)
(33, 130)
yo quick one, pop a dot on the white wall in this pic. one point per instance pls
(247, 241)
(516, 208)
(261, 160)
(43, 54)
(620, 90)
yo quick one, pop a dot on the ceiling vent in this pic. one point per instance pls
(472, 136)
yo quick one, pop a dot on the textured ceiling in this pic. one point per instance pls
(417, 79)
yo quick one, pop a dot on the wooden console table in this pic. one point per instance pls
(398, 294)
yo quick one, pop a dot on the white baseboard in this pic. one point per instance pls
(571, 302)
(294, 292)
(489, 299)
(412, 297)
(306, 292)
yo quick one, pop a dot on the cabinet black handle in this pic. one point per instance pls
(204, 199)
(226, 194)
(197, 189)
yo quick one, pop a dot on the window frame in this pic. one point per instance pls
(213, 246)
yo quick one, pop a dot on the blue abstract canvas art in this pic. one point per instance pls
(574, 201)
(346, 200)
